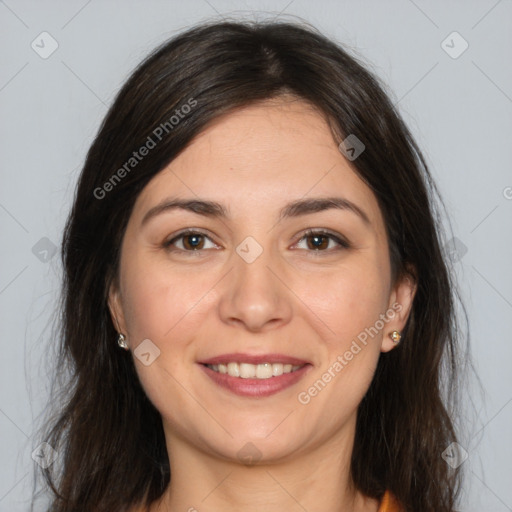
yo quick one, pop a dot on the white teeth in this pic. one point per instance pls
(234, 369)
(264, 371)
(252, 371)
(247, 371)
(277, 369)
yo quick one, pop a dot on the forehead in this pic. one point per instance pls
(258, 158)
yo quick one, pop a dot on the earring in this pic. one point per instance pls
(121, 341)
(395, 336)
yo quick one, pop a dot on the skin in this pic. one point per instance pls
(293, 299)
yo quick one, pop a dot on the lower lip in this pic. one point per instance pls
(256, 387)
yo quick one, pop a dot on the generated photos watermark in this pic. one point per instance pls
(304, 397)
(152, 140)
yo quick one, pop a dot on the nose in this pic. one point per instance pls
(254, 295)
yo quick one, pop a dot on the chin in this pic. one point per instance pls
(253, 448)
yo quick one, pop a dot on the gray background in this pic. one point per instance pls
(459, 109)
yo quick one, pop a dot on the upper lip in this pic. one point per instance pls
(254, 359)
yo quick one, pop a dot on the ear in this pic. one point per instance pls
(116, 309)
(400, 303)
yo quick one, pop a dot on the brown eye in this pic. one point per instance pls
(317, 242)
(322, 241)
(190, 241)
(193, 242)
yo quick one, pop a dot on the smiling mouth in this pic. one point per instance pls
(254, 371)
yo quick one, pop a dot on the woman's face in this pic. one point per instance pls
(249, 284)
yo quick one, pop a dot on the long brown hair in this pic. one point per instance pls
(110, 435)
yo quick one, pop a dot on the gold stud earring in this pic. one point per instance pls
(121, 341)
(395, 336)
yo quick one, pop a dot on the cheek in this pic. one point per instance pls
(157, 299)
(165, 307)
(348, 301)
(350, 304)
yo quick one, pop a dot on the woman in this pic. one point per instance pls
(256, 308)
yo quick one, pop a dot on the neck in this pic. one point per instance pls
(315, 480)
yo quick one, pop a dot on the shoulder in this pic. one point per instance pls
(389, 503)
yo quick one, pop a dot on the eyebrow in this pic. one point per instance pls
(294, 209)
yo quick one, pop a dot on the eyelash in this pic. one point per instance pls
(343, 244)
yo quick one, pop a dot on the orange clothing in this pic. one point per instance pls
(389, 503)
